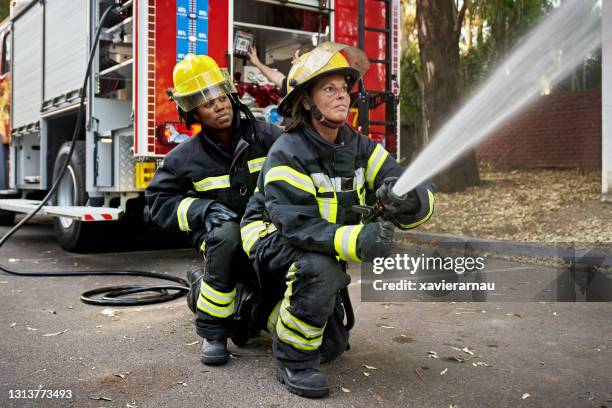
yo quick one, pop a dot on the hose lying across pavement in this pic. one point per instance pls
(112, 295)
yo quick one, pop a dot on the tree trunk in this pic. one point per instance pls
(439, 25)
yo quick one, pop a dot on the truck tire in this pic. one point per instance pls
(72, 235)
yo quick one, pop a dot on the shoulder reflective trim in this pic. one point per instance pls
(292, 177)
(181, 213)
(345, 242)
(251, 232)
(273, 318)
(222, 298)
(375, 162)
(306, 330)
(287, 336)
(212, 183)
(214, 310)
(256, 190)
(426, 217)
(203, 246)
(256, 164)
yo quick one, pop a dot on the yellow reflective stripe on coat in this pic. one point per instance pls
(214, 310)
(328, 208)
(255, 165)
(345, 242)
(216, 296)
(430, 196)
(212, 183)
(181, 213)
(291, 177)
(273, 318)
(375, 162)
(251, 232)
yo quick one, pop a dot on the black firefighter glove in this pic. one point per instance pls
(216, 214)
(375, 240)
(392, 204)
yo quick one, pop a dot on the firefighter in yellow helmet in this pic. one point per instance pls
(299, 228)
(203, 187)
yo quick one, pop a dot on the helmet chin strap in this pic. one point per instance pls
(319, 116)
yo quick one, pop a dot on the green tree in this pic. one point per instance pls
(439, 25)
(4, 9)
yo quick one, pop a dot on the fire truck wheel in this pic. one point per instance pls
(72, 235)
(7, 218)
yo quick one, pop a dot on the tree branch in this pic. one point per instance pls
(460, 17)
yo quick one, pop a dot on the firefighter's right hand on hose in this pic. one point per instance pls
(216, 214)
(375, 240)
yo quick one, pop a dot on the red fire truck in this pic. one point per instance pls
(130, 122)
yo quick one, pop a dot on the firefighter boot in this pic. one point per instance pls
(214, 352)
(194, 277)
(307, 382)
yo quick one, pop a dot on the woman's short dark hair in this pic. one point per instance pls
(300, 116)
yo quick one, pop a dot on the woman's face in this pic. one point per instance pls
(216, 114)
(331, 95)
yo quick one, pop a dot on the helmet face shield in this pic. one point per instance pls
(203, 88)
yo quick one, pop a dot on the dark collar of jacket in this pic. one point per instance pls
(239, 144)
(336, 159)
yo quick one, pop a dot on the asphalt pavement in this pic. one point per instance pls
(403, 354)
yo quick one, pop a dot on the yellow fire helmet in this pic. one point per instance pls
(197, 80)
(327, 58)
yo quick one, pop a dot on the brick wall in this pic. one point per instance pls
(562, 130)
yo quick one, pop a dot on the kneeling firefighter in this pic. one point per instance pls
(299, 228)
(203, 187)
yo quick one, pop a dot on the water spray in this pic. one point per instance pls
(546, 55)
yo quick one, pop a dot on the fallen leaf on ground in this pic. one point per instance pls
(100, 398)
(110, 312)
(432, 354)
(55, 334)
(122, 375)
(378, 398)
(457, 359)
(444, 371)
(555, 314)
(468, 351)
(369, 367)
(13, 260)
(481, 364)
(552, 378)
(182, 383)
(525, 395)
(366, 374)
(13, 324)
(387, 327)
(131, 405)
(344, 389)
(31, 328)
(514, 314)
(192, 343)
